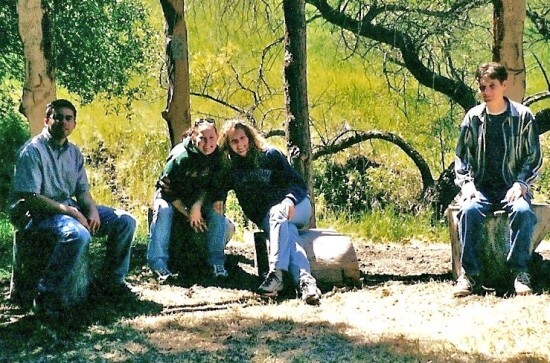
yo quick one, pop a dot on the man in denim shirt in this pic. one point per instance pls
(498, 158)
(50, 178)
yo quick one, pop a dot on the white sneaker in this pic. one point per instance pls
(164, 275)
(464, 286)
(219, 271)
(522, 284)
(272, 284)
(308, 288)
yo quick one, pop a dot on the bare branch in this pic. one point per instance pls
(350, 138)
(407, 46)
(220, 101)
(540, 95)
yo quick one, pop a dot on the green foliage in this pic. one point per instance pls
(542, 187)
(6, 238)
(11, 62)
(124, 157)
(360, 185)
(347, 188)
(13, 134)
(100, 45)
(387, 225)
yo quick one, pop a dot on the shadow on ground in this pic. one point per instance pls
(108, 331)
(222, 336)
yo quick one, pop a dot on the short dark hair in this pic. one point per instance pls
(59, 104)
(492, 70)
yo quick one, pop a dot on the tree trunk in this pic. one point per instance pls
(178, 110)
(508, 23)
(295, 85)
(39, 87)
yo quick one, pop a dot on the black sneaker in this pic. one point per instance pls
(112, 292)
(311, 295)
(47, 306)
(272, 284)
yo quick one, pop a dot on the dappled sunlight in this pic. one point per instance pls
(403, 313)
(175, 296)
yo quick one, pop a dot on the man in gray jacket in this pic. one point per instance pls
(498, 158)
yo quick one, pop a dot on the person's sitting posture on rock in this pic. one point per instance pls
(186, 186)
(498, 158)
(51, 181)
(274, 196)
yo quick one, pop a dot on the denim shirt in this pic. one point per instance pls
(522, 155)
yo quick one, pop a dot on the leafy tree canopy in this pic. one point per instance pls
(98, 46)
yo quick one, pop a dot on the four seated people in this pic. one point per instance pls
(498, 158)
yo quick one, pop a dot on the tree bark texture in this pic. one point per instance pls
(295, 88)
(508, 24)
(39, 87)
(178, 109)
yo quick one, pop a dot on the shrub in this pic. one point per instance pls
(361, 185)
(14, 131)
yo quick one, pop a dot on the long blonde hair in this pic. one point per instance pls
(257, 143)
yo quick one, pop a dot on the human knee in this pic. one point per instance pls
(73, 232)
(471, 211)
(521, 207)
(163, 207)
(470, 207)
(278, 213)
(215, 217)
(127, 222)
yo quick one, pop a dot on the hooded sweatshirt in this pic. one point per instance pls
(190, 172)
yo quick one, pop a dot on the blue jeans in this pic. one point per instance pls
(471, 218)
(285, 251)
(161, 231)
(71, 241)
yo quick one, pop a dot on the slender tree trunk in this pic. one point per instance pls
(39, 87)
(178, 110)
(295, 84)
(509, 18)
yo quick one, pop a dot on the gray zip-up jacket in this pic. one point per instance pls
(522, 156)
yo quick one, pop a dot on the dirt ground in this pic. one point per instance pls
(402, 312)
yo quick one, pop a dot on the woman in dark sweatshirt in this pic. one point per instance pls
(273, 196)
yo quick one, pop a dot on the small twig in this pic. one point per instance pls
(204, 307)
(130, 351)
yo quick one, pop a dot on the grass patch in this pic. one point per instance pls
(6, 238)
(387, 225)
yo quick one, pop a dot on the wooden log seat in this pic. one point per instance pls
(31, 252)
(331, 256)
(496, 236)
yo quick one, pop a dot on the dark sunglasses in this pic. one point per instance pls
(60, 118)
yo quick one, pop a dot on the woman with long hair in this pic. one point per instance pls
(273, 196)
